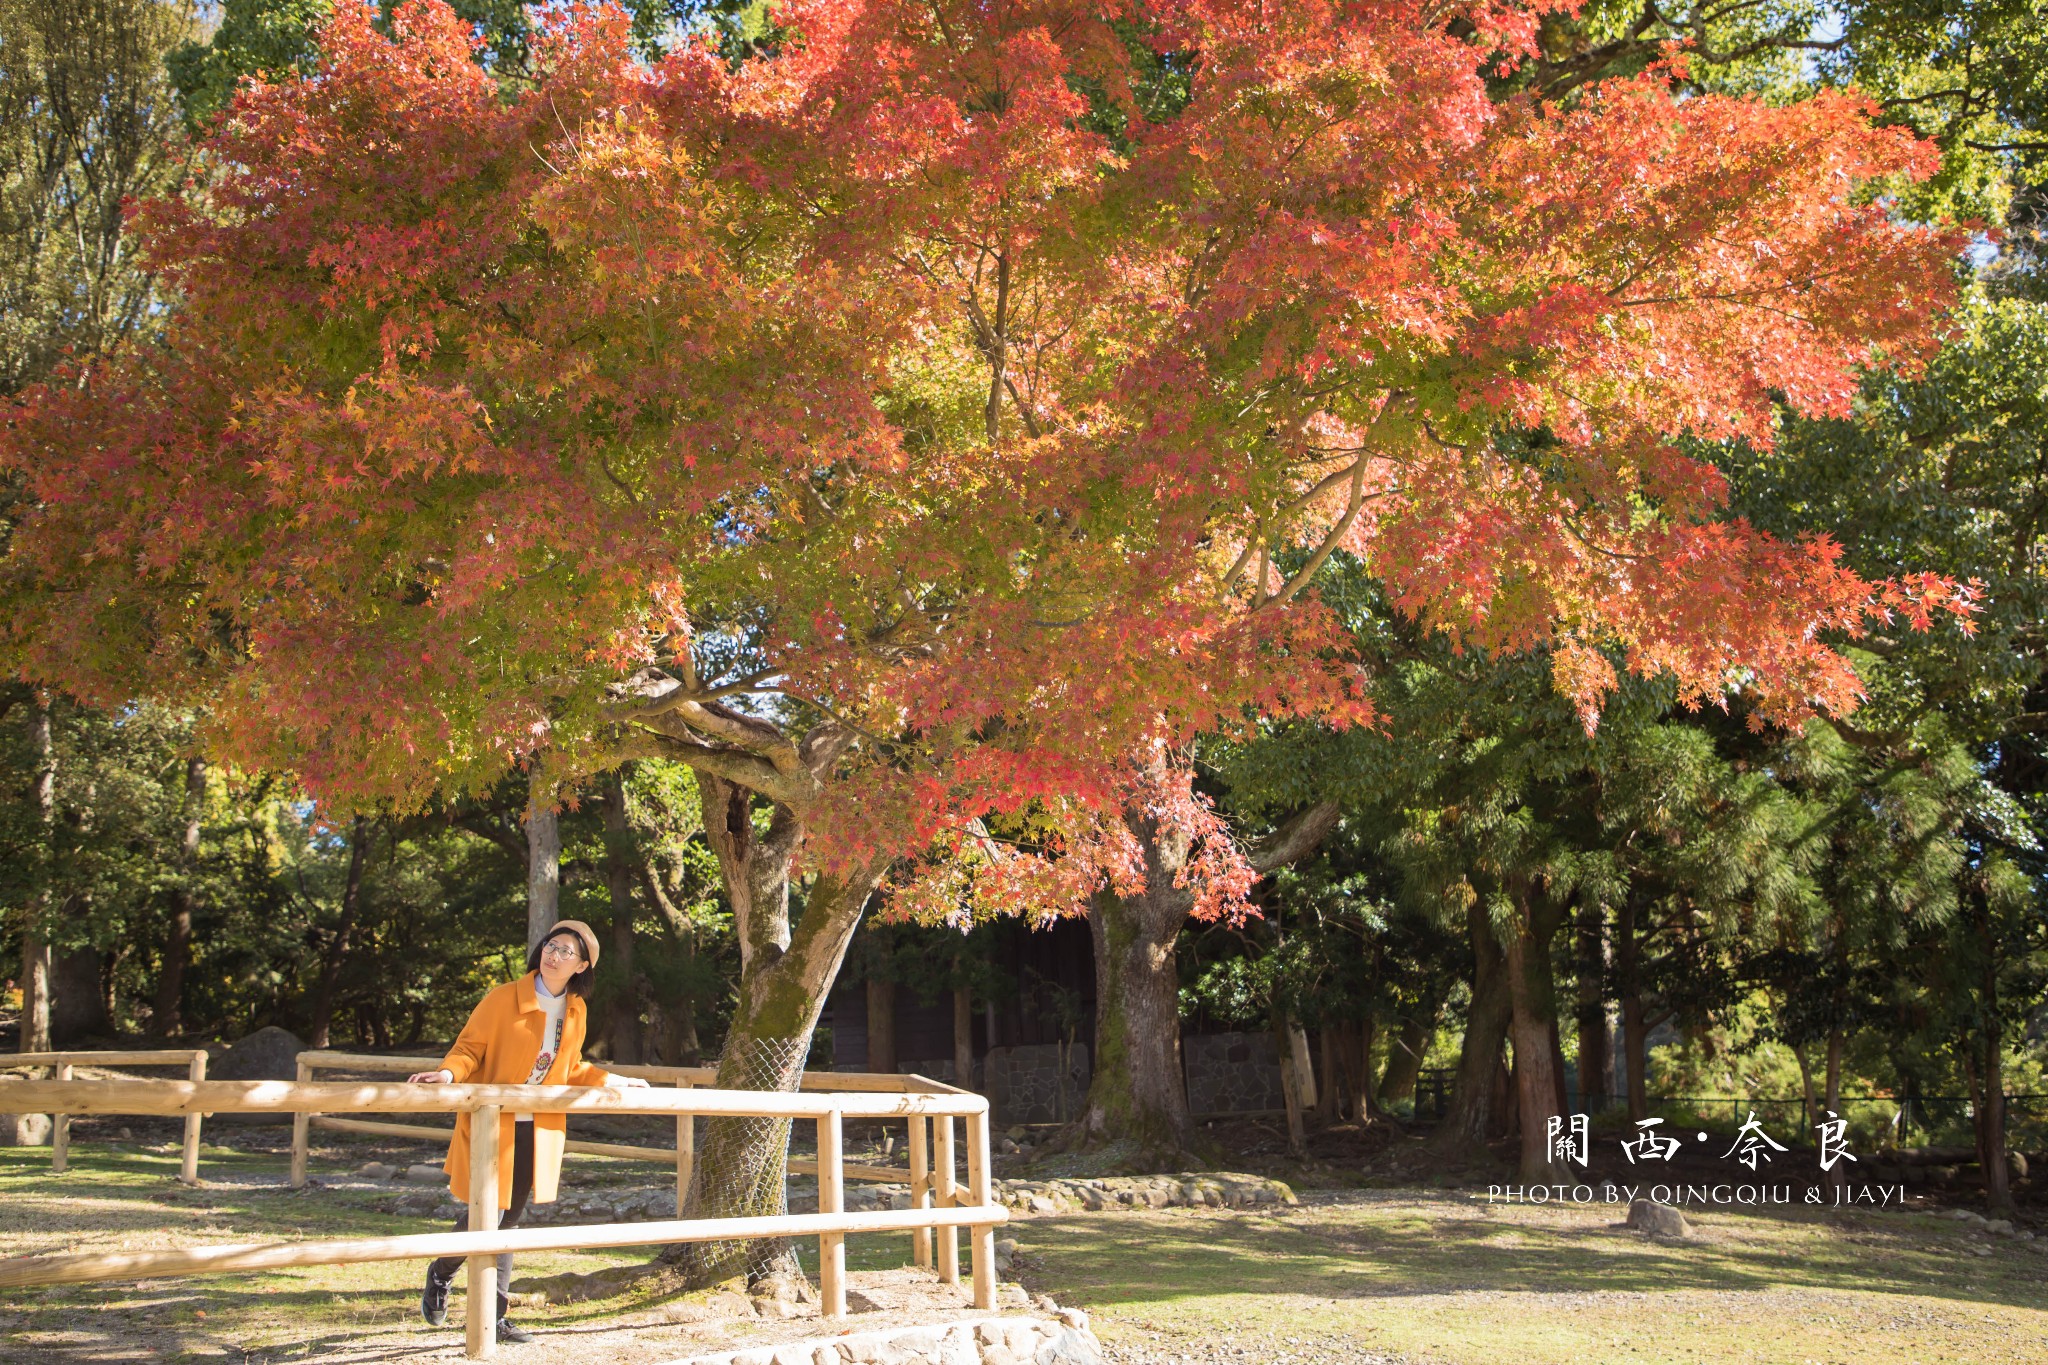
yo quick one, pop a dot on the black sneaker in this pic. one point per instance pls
(513, 1332)
(434, 1302)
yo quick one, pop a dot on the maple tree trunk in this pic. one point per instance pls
(360, 836)
(1592, 1013)
(1137, 1094)
(881, 996)
(786, 971)
(1470, 1117)
(1526, 950)
(167, 1016)
(543, 860)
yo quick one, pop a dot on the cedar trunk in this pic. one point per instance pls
(1471, 1116)
(1592, 1011)
(1532, 990)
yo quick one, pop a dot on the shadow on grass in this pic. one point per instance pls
(1359, 1253)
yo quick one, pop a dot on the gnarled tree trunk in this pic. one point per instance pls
(786, 970)
(1137, 1092)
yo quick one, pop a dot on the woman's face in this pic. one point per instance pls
(561, 957)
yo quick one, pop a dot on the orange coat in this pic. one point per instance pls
(498, 1046)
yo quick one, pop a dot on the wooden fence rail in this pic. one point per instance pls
(193, 1059)
(930, 1109)
(683, 1154)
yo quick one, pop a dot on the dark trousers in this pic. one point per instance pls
(443, 1270)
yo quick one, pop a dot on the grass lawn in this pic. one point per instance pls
(1446, 1278)
(1399, 1276)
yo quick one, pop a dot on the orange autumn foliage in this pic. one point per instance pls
(932, 381)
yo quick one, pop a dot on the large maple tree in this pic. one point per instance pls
(924, 422)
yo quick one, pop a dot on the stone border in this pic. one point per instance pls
(1063, 1340)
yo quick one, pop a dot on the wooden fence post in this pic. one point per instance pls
(942, 1162)
(981, 1236)
(60, 1128)
(301, 1125)
(831, 1199)
(686, 1155)
(921, 1187)
(189, 1171)
(480, 1327)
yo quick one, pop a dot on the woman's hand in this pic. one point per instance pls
(442, 1077)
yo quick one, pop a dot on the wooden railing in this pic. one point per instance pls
(192, 1059)
(487, 1104)
(683, 1154)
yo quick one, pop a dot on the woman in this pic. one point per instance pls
(526, 1032)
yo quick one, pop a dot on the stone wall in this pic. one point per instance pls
(1029, 1084)
(1232, 1073)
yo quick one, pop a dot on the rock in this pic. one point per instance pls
(2001, 1226)
(1038, 1203)
(25, 1130)
(423, 1174)
(268, 1054)
(376, 1170)
(1016, 1134)
(1012, 1296)
(1008, 1147)
(1657, 1220)
(1068, 1346)
(1074, 1318)
(1006, 1252)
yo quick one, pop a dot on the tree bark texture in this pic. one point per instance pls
(963, 1038)
(1405, 1054)
(621, 870)
(1532, 990)
(881, 998)
(361, 834)
(1592, 1006)
(167, 1017)
(35, 944)
(1470, 1117)
(786, 970)
(1635, 1042)
(543, 860)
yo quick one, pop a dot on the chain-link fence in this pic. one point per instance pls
(742, 1164)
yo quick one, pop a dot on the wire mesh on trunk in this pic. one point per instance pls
(742, 1167)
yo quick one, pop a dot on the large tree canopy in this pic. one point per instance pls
(956, 395)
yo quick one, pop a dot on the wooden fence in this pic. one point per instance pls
(831, 1224)
(192, 1059)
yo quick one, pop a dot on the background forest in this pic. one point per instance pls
(1682, 902)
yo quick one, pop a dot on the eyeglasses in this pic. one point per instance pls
(563, 949)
